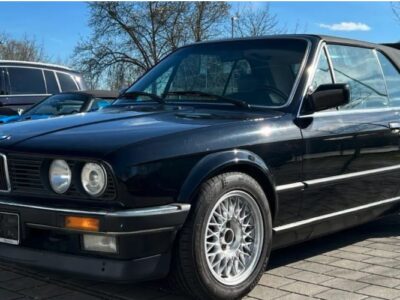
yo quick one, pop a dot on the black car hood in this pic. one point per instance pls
(99, 133)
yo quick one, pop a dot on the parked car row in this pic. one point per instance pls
(219, 154)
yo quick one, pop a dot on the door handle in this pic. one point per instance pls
(394, 127)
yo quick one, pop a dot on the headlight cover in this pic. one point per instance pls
(60, 176)
(94, 179)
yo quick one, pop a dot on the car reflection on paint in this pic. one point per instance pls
(66, 103)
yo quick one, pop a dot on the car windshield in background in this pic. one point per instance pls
(62, 104)
(258, 72)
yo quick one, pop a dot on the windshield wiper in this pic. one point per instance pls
(135, 94)
(236, 102)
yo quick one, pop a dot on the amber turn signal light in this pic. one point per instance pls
(82, 223)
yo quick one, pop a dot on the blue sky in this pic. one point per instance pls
(60, 25)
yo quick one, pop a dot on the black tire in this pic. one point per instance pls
(190, 271)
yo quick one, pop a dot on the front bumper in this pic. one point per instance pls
(145, 237)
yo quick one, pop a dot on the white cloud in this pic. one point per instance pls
(346, 26)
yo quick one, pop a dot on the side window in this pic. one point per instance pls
(2, 82)
(26, 81)
(322, 73)
(67, 83)
(361, 70)
(392, 77)
(51, 82)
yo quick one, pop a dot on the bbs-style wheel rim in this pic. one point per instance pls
(234, 237)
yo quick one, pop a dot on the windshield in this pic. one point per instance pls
(259, 72)
(61, 104)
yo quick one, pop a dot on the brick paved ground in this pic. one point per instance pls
(361, 263)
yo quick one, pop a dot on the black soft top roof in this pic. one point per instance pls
(391, 50)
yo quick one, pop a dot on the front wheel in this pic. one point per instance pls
(224, 246)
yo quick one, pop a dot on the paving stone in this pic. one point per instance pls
(349, 264)
(382, 270)
(310, 277)
(345, 284)
(293, 296)
(8, 295)
(322, 259)
(383, 261)
(45, 291)
(274, 281)
(355, 249)
(76, 296)
(313, 267)
(384, 253)
(383, 246)
(7, 275)
(340, 295)
(283, 271)
(263, 292)
(380, 292)
(303, 288)
(21, 283)
(351, 255)
(381, 280)
(347, 274)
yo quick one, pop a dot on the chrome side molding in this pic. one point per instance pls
(324, 180)
(335, 214)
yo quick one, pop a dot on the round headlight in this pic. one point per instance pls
(94, 179)
(60, 176)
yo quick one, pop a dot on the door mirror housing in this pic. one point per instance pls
(329, 96)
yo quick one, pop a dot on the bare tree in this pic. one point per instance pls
(254, 20)
(396, 10)
(26, 49)
(137, 35)
(205, 19)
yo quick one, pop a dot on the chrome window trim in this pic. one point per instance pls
(314, 182)
(6, 174)
(335, 214)
(349, 111)
(311, 73)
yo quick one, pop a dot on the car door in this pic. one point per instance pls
(351, 161)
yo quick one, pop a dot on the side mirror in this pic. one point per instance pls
(329, 96)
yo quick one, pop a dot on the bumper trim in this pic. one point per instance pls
(144, 231)
(137, 212)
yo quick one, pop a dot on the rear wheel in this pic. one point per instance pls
(223, 248)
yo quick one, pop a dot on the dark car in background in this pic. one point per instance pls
(64, 104)
(222, 152)
(23, 84)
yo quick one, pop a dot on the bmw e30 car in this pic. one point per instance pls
(222, 152)
(61, 104)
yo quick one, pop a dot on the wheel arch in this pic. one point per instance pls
(230, 161)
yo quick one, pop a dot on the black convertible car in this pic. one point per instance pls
(220, 153)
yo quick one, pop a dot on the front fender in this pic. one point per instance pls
(214, 163)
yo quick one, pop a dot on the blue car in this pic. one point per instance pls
(61, 104)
